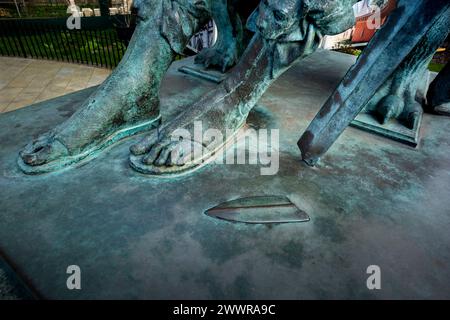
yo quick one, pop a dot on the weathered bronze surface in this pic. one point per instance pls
(368, 198)
(384, 82)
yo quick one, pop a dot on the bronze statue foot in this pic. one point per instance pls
(191, 139)
(401, 97)
(218, 56)
(49, 152)
(404, 108)
(232, 38)
(176, 147)
(125, 104)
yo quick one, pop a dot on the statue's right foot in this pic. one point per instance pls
(50, 152)
(104, 118)
(125, 104)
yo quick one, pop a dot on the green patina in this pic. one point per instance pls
(283, 32)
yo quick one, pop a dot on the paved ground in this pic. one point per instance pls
(371, 202)
(27, 81)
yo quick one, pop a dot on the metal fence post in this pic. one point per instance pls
(104, 7)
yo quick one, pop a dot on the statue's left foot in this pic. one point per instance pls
(190, 140)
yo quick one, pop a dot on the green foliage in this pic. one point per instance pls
(346, 47)
(39, 10)
(46, 11)
(349, 50)
(436, 67)
(98, 48)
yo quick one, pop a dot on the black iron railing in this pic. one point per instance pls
(95, 43)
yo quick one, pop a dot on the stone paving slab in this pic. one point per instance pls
(27, 81)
